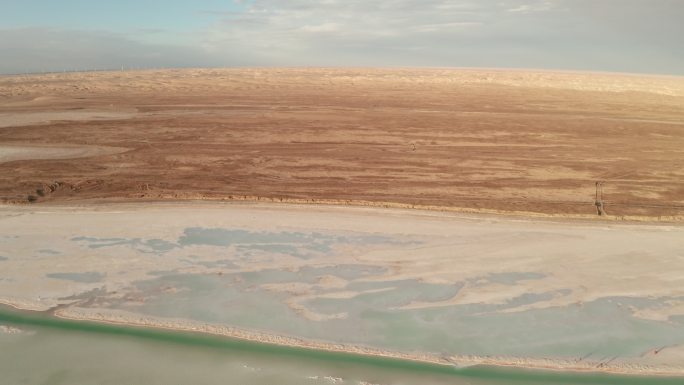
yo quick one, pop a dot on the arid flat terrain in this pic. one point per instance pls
(473, 139)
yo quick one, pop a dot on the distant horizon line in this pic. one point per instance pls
(389, 67)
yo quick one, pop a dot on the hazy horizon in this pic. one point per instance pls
(632, 36)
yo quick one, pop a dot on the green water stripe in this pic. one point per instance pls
(227, 343)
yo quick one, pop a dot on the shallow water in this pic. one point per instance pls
(88, 277)
(596, 330)
(53, 351)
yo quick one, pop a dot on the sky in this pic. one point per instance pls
(642, 36)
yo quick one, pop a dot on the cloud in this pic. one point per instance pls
(574, 34)
(538, 6)
(613, 35)
(340, 32)
(322, 28)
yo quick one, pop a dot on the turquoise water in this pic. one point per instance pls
(297, 244)
(89, 277)
(54, 351)
(598, 329)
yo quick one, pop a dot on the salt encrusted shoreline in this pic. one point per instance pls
(182, 198)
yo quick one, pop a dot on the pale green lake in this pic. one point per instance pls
(53, 351)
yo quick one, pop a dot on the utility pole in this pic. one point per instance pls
(599, 199)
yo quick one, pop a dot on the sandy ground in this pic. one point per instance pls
(32, 118)
(578, 261)
(14, 153)
(475, 139)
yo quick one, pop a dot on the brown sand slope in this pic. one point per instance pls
(500, 140)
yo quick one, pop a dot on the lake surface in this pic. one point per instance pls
(53, 351)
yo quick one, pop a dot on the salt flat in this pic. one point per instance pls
(423, 283)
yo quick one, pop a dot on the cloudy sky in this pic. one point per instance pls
(605, 35)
